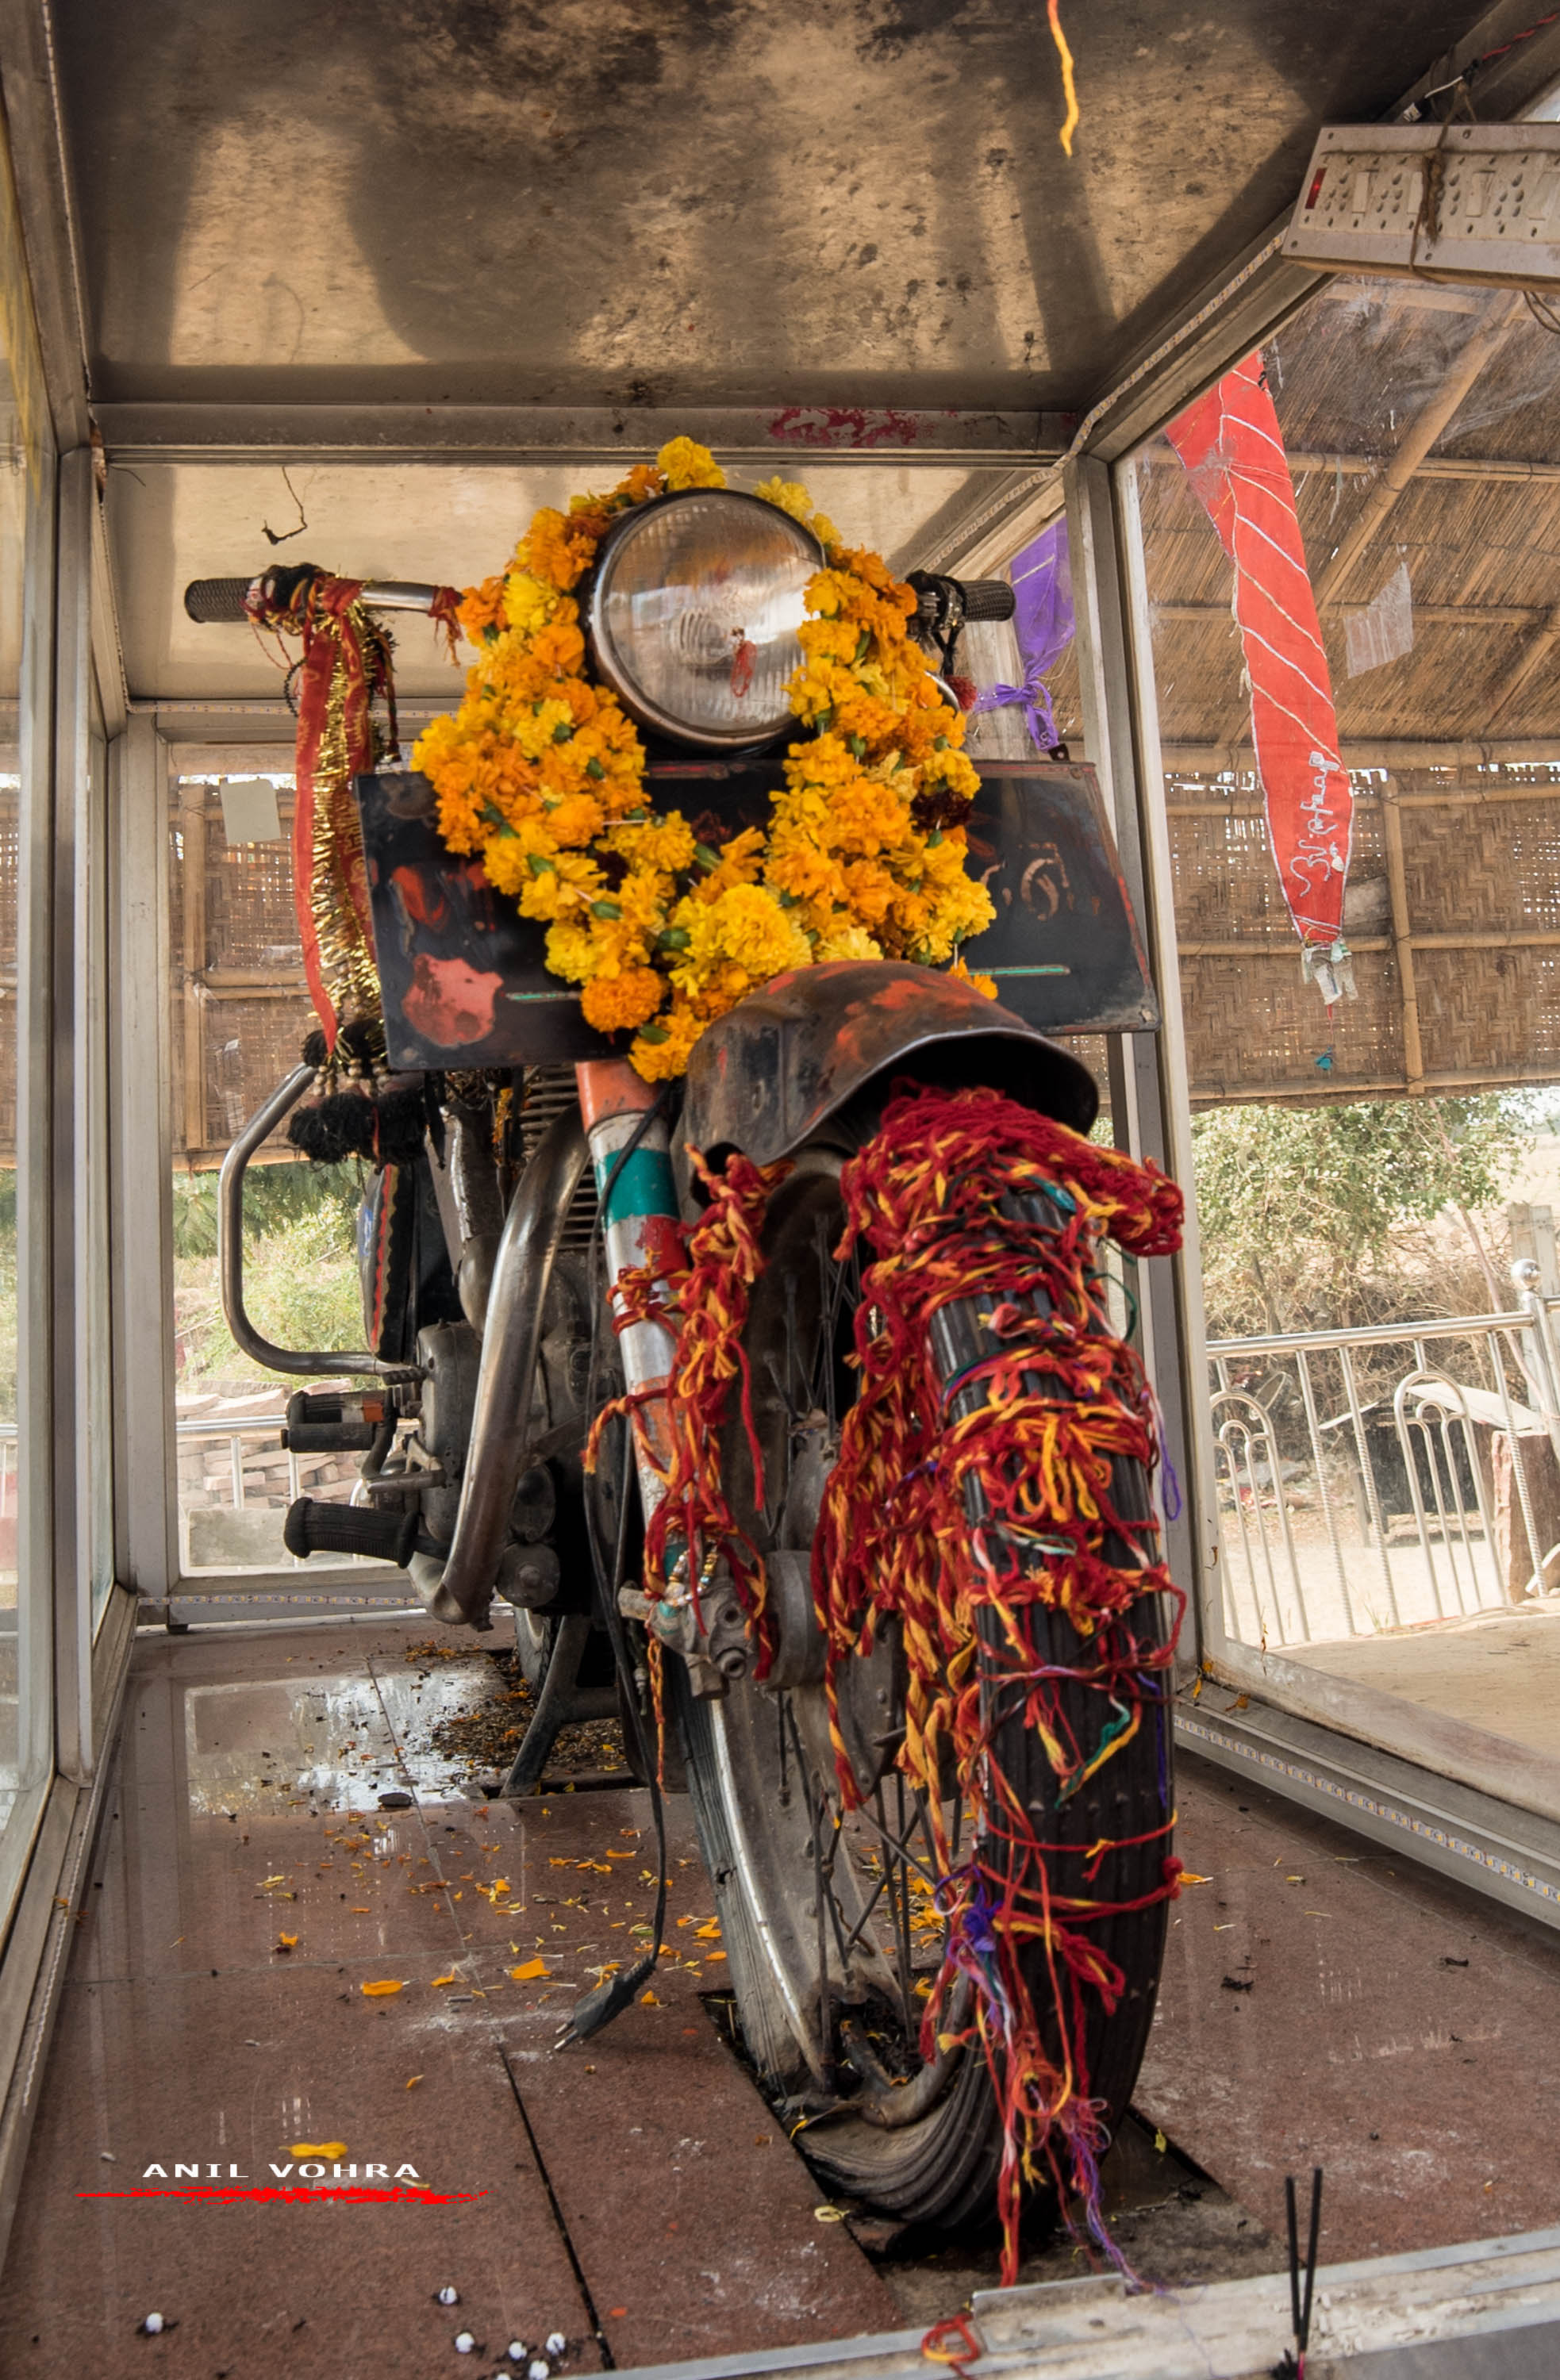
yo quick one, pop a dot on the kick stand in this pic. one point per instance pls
(563, 1702)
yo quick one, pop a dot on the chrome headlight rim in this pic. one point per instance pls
(641, 708)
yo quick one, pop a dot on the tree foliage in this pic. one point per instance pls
(275, 1197)
(1301, 1208)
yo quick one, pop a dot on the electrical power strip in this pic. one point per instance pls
(1478, 203)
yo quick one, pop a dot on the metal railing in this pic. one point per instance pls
(301, 1473)
(1378, 1477)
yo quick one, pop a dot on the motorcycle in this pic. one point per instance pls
(540, 1175)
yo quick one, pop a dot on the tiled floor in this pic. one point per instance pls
(1497, 1669)
(247, 1887)
(1326, 2003)
(635, 2194)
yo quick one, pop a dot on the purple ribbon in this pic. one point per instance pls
(1042, 622)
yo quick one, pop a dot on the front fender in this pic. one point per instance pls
(776, 1067)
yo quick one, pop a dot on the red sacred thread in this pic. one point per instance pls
(953, 2341)
(1061, 1399)
(445, 612)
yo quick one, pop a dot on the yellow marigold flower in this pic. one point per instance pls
(572, 952)
(787, 496)
(614, 1003)
(738, 863)
(687, 465)
(663, 1059)
(847, 942)
(806, 873)
(791, 496)
(666, 844)
(527, 603)
(747, 927)
(644, 480)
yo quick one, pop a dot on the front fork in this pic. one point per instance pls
(630, 1155)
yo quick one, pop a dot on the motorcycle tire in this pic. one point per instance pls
(761, 1779)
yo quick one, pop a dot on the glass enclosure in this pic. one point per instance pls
(239, 1013)
(1375, 1145)
(27, 487)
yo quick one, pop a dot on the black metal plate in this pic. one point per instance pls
(1064, 947)
(464, 978)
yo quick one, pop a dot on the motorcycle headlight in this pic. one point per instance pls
(693, 615)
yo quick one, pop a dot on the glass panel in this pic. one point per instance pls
(25, 598)
(97, 1484)
(241, 1011)
(1373, 1143)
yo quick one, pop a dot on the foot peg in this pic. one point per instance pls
(325, 1424)
(315, 1528)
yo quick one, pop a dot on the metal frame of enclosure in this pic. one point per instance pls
(97, 749)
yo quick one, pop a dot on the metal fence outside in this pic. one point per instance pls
(236, 1480)
(1381, 1477)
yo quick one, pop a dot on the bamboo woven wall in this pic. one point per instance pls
(239, 1007)
(1466, 944)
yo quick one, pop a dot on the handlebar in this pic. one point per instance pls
(987, 598)
(211, 600)
(947, 604)
(226, 601)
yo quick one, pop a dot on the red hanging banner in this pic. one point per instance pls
(1233, 449)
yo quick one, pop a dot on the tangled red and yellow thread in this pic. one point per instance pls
(963, 1509)
(1025, 1439)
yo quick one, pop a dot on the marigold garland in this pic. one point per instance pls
(541, 773)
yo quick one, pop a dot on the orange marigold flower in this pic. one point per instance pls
(615, 1003)
(482, 608)
(984, 984)
(559, 647)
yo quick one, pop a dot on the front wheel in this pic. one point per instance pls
(833, 1919)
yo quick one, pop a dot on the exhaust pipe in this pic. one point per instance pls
(460, 1588)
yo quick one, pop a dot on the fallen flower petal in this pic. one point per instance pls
(377, 1991)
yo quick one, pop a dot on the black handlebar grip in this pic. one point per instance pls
(329, 1424)
(212, 599)
(329, 1437)
(988, 599)
(314, 1528)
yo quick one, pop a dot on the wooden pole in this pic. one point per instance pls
(1417, 441)
(1402, 935)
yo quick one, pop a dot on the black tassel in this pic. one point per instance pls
(308, 1130)
(350, 1118)
(402, 1119)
